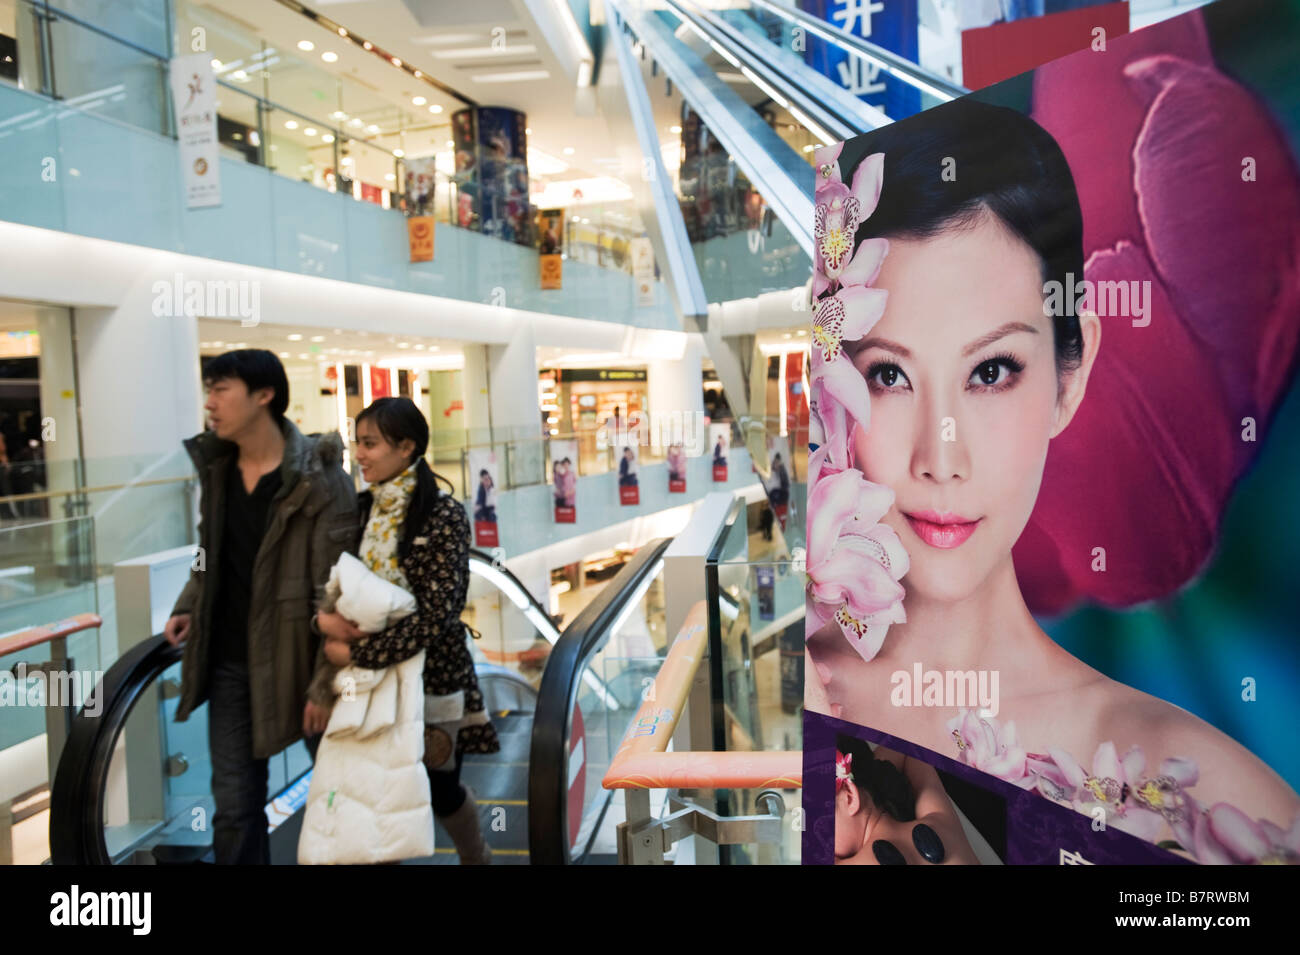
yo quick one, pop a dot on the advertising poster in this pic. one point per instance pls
(888, 23)
(419, 235)
(629, 490)
(550, 231)
(720, 442)
(676, 469)
(483, 472)
(643, 270)
(421, 181)
(194, 100)
(1056, 414)
(564, 480)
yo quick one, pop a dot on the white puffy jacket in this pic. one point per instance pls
(369, 797)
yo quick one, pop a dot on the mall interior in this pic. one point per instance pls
(604, 270)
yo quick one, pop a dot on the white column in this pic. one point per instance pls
(512, 395)
(676, 399)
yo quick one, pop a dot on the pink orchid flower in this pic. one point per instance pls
(984, 744)
(839, 210)
(1060, 777)
(843, 770)
(854, 562)
(848, 315)
(1226, 836)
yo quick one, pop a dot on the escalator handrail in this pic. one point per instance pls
(504, 571)
(548, 758)
(80, 782)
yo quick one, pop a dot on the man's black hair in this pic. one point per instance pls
(257, 368)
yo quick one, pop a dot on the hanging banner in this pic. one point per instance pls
(994, 53)
(564, 480)
(891, 24)
(629, 491)
(419, 234)
(720, 439)
(676, 469)
(483, 484)
(194, 102)
(421, 181)
(551, 269)
(643, 271)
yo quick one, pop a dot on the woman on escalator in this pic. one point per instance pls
(417, 536)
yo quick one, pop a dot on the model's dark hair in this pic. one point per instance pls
(949, 166)
(880, 779)
(257, 368)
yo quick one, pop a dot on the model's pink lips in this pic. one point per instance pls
(943, 530)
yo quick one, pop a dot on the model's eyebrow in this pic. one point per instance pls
(885, 345)
(1005, 330)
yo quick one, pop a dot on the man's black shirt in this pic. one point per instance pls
(246, 519)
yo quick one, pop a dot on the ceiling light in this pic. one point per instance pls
(674, 129)
(355, 121)
(390, 177)
(372, 128)
(514, 76)
(435, 108)
(329, 56)
(303, 356)
(318, 338)
(403, 344)
(216, 64)
(368, 45)
(327, 138)
(809, 148)
(801, 332)
(451, 144)
(482, 52)
(396, 61)
(569, 150)
(338, 114)
(284, 354)
(239, 75)
(399, 153)
(306, 46)
(290, 124)
(418, 100)
(528, 130)
(309, 131)
(342, 32)
(295, 338)
(418, 74)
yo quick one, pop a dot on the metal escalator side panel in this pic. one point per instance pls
(665, 225)
(780, 174)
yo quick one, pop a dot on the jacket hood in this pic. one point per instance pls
(303, 453)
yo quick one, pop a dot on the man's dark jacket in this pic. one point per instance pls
(312, 520)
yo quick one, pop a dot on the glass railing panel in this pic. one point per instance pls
(100, 75)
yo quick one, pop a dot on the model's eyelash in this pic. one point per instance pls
(1010, 362)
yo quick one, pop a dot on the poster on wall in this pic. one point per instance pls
(643, 270)
(194, 103)
(629, 491)
(381, 382)
(676, 468)
(564, 480)
(1108, 458)
(720, 442)
(483, 474)
(550, 231)
(421, 183)
(419, 236)
(551, 270)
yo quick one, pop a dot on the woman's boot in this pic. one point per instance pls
(467, 833)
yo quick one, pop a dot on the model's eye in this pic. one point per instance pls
(997, 372)
(885, 376)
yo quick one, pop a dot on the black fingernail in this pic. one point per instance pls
(927, 843)
(887, 853)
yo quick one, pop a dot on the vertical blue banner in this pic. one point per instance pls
(891, 24)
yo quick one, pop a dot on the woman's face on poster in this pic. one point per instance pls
(962, 374)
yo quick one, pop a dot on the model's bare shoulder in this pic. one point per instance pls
(1226, 771)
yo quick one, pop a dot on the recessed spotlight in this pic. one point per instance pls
(239, 75)
(329, 56)
(309, 131)
(217, 344)
(342, 32)
(306, 46)
(801, 332)
(396, 61)
(569, 150)
(390, 177)
(338, 114)
(418, 74)
(418, 100)
(674, 129)
(399, 153)
(216, 64)
(435, 108)
(451, 144)
(809, 148)
(354, 121)
(295, 338)
(419, 346)
(528, 130)
(318, 338)
(372, 128)
(327, 138)
(284, 354)
(303, 355)
(290, 124)
(787, 335)
(368, 45)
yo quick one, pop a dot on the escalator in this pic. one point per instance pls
(96, 819)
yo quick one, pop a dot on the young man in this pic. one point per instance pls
(276, 510)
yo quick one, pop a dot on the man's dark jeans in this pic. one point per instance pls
(238, 780)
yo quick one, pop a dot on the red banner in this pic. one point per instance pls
(995, 53)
